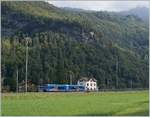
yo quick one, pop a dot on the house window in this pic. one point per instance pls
(94, 84)
(91, 84)
(87, 84)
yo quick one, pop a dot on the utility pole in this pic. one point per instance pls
(26, 74)
(17, 81)
(108, 83)
(117, 73)
(131, 83)
(70, 79)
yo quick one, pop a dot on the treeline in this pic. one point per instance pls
(55, 57)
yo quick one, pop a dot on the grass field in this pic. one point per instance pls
(98, 103)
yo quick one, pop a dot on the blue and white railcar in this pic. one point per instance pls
(61, 88)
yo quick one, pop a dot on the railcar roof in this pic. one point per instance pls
(60, 85)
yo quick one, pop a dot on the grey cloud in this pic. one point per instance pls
(101, 5)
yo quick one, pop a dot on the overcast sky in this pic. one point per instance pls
(101, 5)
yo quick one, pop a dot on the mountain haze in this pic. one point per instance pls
(141, 12)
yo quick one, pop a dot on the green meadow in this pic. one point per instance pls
(77, 103)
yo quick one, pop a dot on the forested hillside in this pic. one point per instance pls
(108, 46)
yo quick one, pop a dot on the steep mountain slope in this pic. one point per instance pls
(41, 16)
(111, 47)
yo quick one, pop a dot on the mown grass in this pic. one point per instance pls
(98, 103)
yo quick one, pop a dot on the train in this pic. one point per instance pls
(60, 88)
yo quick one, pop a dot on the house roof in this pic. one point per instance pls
(86, 79)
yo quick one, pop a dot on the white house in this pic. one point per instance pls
(90, 84)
